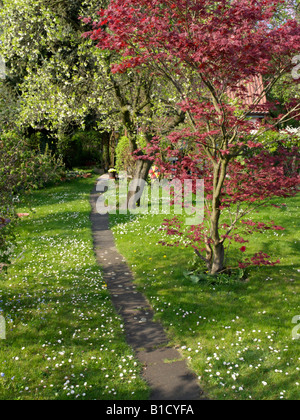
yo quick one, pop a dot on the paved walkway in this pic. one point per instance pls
(164, 370)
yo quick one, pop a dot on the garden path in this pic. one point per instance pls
(163, 367)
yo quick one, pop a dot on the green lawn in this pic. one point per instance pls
(64, 339)
(237, 337)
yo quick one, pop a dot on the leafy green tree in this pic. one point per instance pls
(63, 84)
(9, 105)
(285, 93)
(46, 60)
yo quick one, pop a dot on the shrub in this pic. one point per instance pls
(287, 138)
(124, 159)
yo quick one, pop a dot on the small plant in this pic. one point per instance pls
(197, 274)
(112, 173)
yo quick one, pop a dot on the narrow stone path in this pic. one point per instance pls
(164, 370)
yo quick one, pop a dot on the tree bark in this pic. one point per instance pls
(106, 154)
(112, 149)
(218, 257)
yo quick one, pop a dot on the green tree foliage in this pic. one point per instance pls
(81, 148)
(285, 92)
(65, 84)
(47, 60)
(9, 105)
(289, 9)
(124, 159)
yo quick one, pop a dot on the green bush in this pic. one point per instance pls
(288, 138)
(124, 159)
(22, 168)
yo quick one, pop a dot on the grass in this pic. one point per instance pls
(63, 337)
(237, 337)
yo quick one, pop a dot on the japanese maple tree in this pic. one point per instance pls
(211, 51)
(251, 183)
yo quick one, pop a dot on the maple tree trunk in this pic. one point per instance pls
(218, 258)
(218, 251)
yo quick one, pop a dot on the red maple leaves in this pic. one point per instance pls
(210, 51)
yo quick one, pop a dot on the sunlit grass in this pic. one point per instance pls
(64, 339)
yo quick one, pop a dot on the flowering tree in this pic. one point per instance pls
(211, 51)
(61, 83)
(48, 64)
